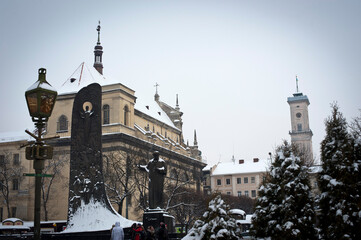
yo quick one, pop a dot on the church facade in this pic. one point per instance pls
(131, 131)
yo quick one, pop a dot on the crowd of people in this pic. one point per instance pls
(139, 233)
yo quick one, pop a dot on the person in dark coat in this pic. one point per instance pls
(162, 232)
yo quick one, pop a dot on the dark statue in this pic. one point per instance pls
(157, 170)
(86, 181)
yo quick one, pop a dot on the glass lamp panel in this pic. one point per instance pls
(47, 103)
(32, 103)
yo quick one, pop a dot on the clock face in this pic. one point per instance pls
(298, 115)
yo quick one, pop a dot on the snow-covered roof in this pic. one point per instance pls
(151, 108)
(14, 136)
(237, 211)
(82, 77)
(85, 75)
(229, 168)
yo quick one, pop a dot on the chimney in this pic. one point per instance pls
(255, 159)
(241, 161)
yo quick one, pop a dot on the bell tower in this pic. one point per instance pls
(301, 133)
(98, 53)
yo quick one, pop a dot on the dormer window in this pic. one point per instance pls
(106, 114)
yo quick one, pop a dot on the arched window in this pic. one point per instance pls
(299, 127)
(62, 124)
(106, 114)
(126, 115)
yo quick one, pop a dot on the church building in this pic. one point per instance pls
(132, 129)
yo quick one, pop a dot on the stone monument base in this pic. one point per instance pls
(153, 217)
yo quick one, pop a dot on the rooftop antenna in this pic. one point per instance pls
(296, 84)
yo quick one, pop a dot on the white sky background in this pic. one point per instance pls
(233, 63)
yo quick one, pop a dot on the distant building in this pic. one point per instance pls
(238, 178)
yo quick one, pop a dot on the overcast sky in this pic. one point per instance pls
(233, 63)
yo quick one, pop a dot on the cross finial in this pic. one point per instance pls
(156, 96)
(296, 84)
(156, 87)
(98, 29)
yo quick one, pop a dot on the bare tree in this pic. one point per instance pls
(10, 176)
(53, 167)
(120, 179)
(241, 202)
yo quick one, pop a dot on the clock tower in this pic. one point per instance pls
(301, 133)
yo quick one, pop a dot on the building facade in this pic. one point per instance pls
(132, 129)
(238, 178)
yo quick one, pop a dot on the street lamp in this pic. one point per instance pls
(40, 98)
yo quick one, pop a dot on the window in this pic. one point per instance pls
(246, 193)
(219, 182)
(62, 124)
(245, 180)
(13, 212)
(253, 193)
(228, 181)
(1, 184)
(228, 193)
(253, 180)
(2, 159)
(239, 180)
(16, 159)
(239, 193)
(15, 184)
(126, 115)
(106, 114)
(299, 127)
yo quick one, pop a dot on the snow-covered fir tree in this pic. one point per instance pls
(215, 223)
(339, 181)
(284, 209)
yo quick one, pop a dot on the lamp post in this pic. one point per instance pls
(40, 98)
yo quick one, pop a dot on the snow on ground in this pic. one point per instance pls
(94, 217)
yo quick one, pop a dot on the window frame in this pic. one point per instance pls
(245, 180)
(228, 181)
(219, 182)
(106, 114)
(254, 193)
(253, 179)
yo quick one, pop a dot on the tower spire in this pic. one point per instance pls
(195, 138)
(156, 96)
(98, 53)
(296, 84)
(176, 103)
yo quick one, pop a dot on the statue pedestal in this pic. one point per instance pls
(153, 217)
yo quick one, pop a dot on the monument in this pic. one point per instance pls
(89, 207)
(156, 214)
